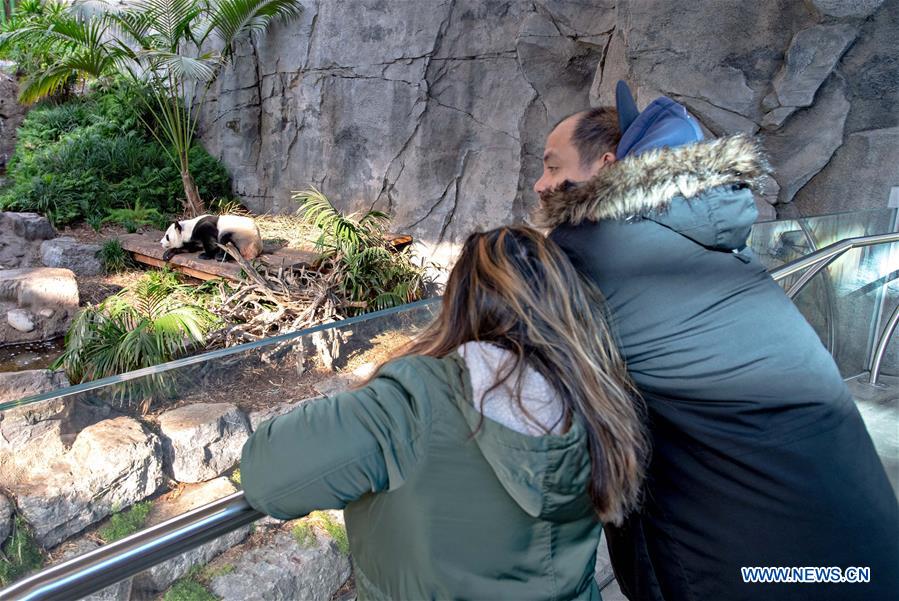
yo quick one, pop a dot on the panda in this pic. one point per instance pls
(206, 230)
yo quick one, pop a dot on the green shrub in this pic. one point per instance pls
(151, 322)
(372, 275)
(21, 553)
(90, 156)
(125, 523)
(135, 217)
(114, 257)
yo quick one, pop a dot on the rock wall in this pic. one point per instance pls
(436, 111)
(11, 114)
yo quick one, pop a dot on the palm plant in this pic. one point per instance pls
(151, 323)
(371, 274)
(176, 48)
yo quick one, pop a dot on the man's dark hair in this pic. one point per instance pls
(596, 133)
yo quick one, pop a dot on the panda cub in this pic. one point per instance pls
(206, 230)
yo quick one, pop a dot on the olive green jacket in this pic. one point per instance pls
(432, 512)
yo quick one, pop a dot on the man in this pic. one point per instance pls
(760, 457)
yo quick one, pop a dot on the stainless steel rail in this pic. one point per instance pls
(106, 565)
(820, 259)
(111, 563)
(888, 332)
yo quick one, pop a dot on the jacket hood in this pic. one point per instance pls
(645, 184)
(547, 476)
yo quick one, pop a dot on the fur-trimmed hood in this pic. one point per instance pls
(637, 185)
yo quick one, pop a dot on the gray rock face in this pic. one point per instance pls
(161, 576)
(120, 591)
(6, 513)
(819, 127)
(847, 8)
(848, 184)
(33, 291)
(203, 440)
(438, 115)
(281, 569)
(11, 115)
(811, 57)
(68, 253)
(111, 465)
(21, 235)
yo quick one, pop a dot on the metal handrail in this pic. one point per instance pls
(117, 561)
(818, 260)
(106, 565)
(888, 332)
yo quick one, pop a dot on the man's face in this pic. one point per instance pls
(562, 162)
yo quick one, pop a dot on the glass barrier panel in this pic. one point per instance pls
(90, 464)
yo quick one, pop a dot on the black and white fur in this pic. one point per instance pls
(206, 231)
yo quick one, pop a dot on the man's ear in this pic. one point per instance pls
(607, 159)
(603, 161)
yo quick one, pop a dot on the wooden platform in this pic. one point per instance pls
(145, 248)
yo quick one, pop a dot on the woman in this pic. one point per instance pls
(480, 463)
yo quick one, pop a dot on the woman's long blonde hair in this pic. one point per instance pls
(516, 289)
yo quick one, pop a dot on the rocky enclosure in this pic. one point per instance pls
(436, 110)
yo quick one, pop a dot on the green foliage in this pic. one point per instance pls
(188, 589)
(32, 60)
(114, 257)
(235, 477)
(125, 523)
(21, 553)
(135, 217)
(177, 48)
(373, 275)
(153, 321)
(91, 158)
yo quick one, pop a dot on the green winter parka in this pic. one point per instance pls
(432, 512)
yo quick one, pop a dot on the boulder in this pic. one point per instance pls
(111, 465)
(6, 514)
(28, 226)
(21, 235)
(30, 293)
(281, 568)
(202, 440)
(120, 591)
(20, 319)
(68, 253)
(33, 436)
(161, 576)
(16, 385)
(263, 415)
